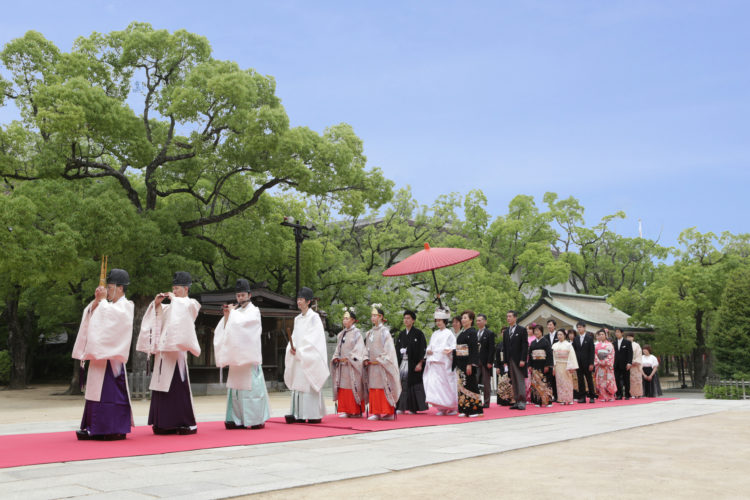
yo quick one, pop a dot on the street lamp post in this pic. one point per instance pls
(299, 237)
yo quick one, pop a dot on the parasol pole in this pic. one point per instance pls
(437, 290)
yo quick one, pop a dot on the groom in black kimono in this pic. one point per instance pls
(411, 347)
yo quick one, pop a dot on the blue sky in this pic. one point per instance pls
(641, 106)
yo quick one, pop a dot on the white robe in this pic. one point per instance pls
(439, 381)
(237, 344)
(307, 370)
(104, 335)
(168, 335)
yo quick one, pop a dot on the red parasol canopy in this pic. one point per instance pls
(430, 259)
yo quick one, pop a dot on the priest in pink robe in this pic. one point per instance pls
(168, 332)
(104, 341)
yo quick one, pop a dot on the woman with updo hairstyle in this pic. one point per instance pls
(439, 377)
(467, 364)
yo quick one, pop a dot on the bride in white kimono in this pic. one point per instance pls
(440, 380)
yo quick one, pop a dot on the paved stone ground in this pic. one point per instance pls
(242, 470)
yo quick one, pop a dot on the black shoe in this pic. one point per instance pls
(592, 400)
(290, 419)
(618, 398)
(521, 406)
(109, 437)
(232, 426)
(163, 432)
(83, 435)
(259, 426)
(627, 398)
(314, 420)
(486, 406)
(582, 400)
(186, 431)
(514, 406)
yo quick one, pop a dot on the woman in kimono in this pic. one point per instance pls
(439, 377)
(651, 384)
(604, 364)
(347, 368)
(636, 373)
(237, 344)
(456, 325)
(565, 367)
(467, 363)
(383, 376)
(540, 364)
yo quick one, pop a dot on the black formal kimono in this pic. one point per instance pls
(623, 358)
(540, 358)
(585, 357)
(504, 389)
(552, 338)
(412, 388)
(467, 354)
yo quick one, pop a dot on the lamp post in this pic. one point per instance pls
(299, 237)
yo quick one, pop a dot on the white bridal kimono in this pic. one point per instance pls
(306, 371)
(440, 381)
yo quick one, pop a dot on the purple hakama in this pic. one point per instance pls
(112, 413)
(172, 409)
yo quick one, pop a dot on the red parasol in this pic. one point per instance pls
(430, 259)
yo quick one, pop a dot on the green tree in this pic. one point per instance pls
(730, 341)
(181, 142)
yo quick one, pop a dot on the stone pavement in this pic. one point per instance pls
(240, 470)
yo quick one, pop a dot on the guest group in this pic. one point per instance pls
(373, 375)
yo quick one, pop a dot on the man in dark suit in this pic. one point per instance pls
(551, 335)
(486, 341)
(584, 348)
(623, 361)
(516, 349)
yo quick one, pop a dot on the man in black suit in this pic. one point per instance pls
(623, 361)
(551, 335)
(584, 348)
(516, 349)
(486, 341)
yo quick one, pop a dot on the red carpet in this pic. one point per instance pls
(30, 449)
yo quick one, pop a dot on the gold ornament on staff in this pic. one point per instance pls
(103, 272)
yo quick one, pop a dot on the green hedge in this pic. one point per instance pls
(724, 392)
(4, 367)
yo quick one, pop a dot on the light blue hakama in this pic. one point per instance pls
(249, 407)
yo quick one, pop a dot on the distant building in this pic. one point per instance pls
(567, 309)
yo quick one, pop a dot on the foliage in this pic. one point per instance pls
(730, 341)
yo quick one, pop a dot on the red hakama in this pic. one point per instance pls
(379, 403)
(347, 403)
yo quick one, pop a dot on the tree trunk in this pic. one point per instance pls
(18, 344)
(699, 353)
